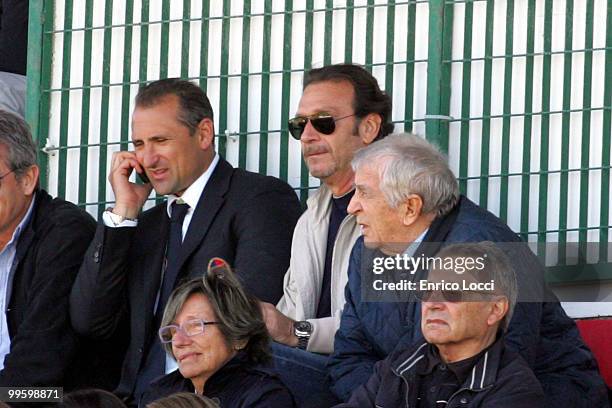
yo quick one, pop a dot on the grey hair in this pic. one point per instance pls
(497, 267)
(238, 313)
(409, 164)
(16, 137)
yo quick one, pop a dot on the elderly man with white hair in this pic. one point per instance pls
(407, 203)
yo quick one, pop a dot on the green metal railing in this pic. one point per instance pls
(453, 69)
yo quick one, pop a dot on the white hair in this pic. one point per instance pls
(409, 164)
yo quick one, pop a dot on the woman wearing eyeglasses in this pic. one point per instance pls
(216, 334)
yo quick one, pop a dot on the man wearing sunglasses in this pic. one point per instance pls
(408, 205)
(42, 243)
(342, 109)
(463, 360)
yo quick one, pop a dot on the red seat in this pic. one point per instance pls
(596, 334)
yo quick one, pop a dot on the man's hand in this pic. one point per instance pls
(279, 326)
(129, 197)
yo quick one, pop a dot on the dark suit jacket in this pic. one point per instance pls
(245, 218)
(45, 351)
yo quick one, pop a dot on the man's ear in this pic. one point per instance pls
(369, 126)
(412, 208)
(28, 180)
(499, 308)
(206, 133)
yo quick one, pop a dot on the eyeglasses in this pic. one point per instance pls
(189, 328)
(453, 296)
(322, 122)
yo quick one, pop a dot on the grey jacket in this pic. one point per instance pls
(303, 280)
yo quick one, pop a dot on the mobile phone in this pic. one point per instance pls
(143, 177)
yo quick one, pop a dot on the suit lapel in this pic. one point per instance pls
(210, 202)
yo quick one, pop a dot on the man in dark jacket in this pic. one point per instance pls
(464, 361)
(407, 197)
(212, 210)
(42, 242)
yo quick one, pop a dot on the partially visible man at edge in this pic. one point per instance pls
(42, 243)
(212, 210)
(342, 109)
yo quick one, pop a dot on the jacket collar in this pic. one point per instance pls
(483, 374)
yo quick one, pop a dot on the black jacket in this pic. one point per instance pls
(499, 379)
(45, 351)
(238, 384)
(245, 218)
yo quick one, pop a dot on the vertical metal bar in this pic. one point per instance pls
(204, 45)
(65, 99)
(464, 141)
(127, 65)
(565, 127)
(409, 81)
(244, 84)
(545, 127)
(125, 91)
(164, 40)
(390, 42)
(528, 120)
(507, 109)
(486, 106)
(308, 40)
(348, 31)
(39, 79)
(265, 88)
(144, 43)
(586, 127)
(369, 35)
(438, 71)
(185, 39)
(85, 102)
(225, 44)
(329, 21)
(286, 89)
(604, 217)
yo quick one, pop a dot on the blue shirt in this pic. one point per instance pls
(7, 258)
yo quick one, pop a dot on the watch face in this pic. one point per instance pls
(303, 327)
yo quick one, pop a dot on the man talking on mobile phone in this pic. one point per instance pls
(212, 210)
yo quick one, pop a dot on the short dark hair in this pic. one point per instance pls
(91, 398)
(236, 310)
(369, 98)
(193, 102)
(16, 137)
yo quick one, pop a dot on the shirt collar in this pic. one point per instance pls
(23, 223)
(415, 244)
(192, 194)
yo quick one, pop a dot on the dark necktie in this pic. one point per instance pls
(173, 254)
(154, 362)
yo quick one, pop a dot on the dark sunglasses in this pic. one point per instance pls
(453, 296)
(322, 122)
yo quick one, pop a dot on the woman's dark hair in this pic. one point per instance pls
(91, 398)
(368, 96)
(193, 102)
(238, 312)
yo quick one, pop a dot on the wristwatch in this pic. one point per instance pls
(302, 331)
(116, 219)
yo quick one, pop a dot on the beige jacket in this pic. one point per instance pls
(303, 280)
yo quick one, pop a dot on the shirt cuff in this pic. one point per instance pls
(109, 222)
